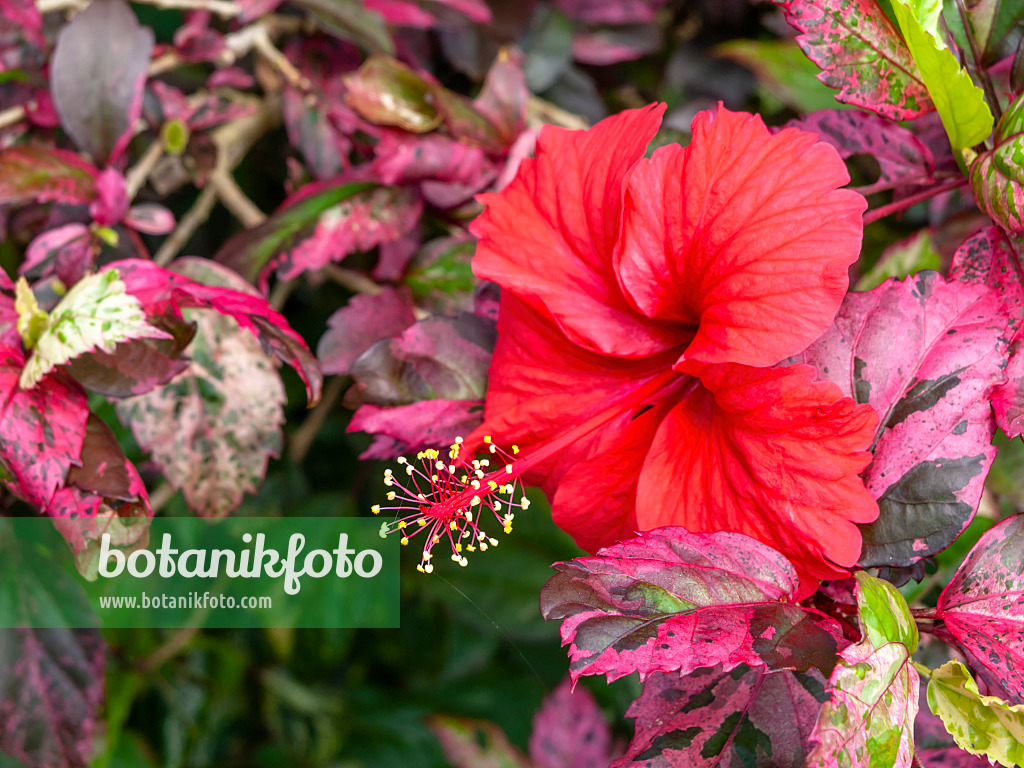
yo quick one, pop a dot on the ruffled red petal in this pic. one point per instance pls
(549, 235)
(743, 235)
(541, 385)
(770, 453)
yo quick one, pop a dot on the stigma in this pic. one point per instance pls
(449, 498)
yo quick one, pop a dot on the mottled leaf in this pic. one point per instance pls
(67, 251)
(569, 731)
(163, 293)
(150, 218)
(386, 92)
(983, 605)
(884, 614)
(860, 54)
(96, 313)
(869, 719)
(44, 175)
(981, 725)
(51, 689)
(997, 174)
(358, 223)
(475, 743)
(902, 157)
(715, 718)
(959, 102)
(97, 75)
(351, 20)
(249, 252)
(402, 158)
(670, 601)
(403, 429)
(41, 430)
(364, 320)
(931, 387)
(212, 429)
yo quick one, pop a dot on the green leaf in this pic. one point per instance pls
(783, 72)
(884, 613)
(960, 103)
(997, 175)
(981, 725)
(869, 720)
(904, 258)
(96, 314)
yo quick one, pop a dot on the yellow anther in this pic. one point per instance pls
(508, 469)
(421, 569)
(497, 506)
(487, 439)
(475, 483)
(435, 539)
(458, 547)
(421, 522)
(375, 509)
(391, 495)
(525, 503)
(404, 541)
(453, 525)
(474, 501)
(470, 548)
(401, 524)
(508, 529)
(400, 460)
(515, 450)
(434, 478)
(408, 469)
(439, 464)
(493, 486)
(480, 474)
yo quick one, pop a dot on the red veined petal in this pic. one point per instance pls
(549, 235)
(743, 235)
(770, 453)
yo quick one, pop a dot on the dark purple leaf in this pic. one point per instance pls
(97, 75)
(603, 47)
(165, 293)
(931, 388)
(410, 428)
(364, 320)
(716, 718)
(135, 367)
(569, 731)
(51, 688)
(42, 175)
(902, 157)
(67, 251)
(861, 55)
(671, 601)
(402, 158)
(983, 606)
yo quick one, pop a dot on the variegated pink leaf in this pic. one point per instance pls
(164, 292)
(41, 430)
(930, 384)
(410, 428)
(983, 607)
(902, 157)
(43, 175)
(359, 324)
(212, 429)
(860, 54)
(569, 731)
(51, 688)
(719, 718)
(671, 601)
(67, 251)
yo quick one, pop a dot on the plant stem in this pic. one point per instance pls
(976, 54)
(907, 202)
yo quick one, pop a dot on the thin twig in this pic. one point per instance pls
(976, 54)
(11, 116)
(174, 645)
(136, 177)
(354, 281)
(190, 222)
(226, 9)
(264, 46)
(540, 112)
(901, 205)
(159, 497)
(304, 436)
(235, 200)
(52, 6)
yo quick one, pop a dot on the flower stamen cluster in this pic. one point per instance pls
(450, 499)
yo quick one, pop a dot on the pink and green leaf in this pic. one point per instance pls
(672, 601)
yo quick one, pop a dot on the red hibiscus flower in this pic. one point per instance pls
(642, 301)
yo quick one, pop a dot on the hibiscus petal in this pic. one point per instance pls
(743, 235)
(549, 235)
(770, 453)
